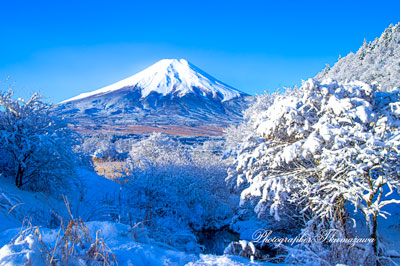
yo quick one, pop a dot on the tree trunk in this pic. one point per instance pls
(18, 176)
(374, 236)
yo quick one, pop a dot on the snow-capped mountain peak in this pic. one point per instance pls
(170, 77)
(170, 92)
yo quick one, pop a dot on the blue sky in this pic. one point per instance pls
(63, 48)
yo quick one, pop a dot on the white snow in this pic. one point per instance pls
(26, 250)
(315, 144)
(310, 147)
(169, 76)
(375, 62)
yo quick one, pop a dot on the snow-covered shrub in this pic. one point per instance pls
(324, 150)
(109, 153)
(38, 146)
(108, 146)
(72, 244)
(176, 190)
(244, 139)
(93, 142)
(236, 135)
(245, 249)
(103, 147)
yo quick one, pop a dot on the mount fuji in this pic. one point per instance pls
(171, 96)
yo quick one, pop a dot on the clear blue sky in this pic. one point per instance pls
(63, 48)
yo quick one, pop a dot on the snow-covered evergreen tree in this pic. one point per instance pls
(326, 149)
(376, 61)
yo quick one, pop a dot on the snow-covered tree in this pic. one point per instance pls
(326, 148)
(172, 186)
(237, 135)
(37, 145)
(95, 143)
(106, 147)
(376, 61)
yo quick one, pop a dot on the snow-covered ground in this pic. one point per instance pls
(130, 246)
(119, 240)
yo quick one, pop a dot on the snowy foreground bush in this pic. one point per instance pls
(322, 154)
(37, 147)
